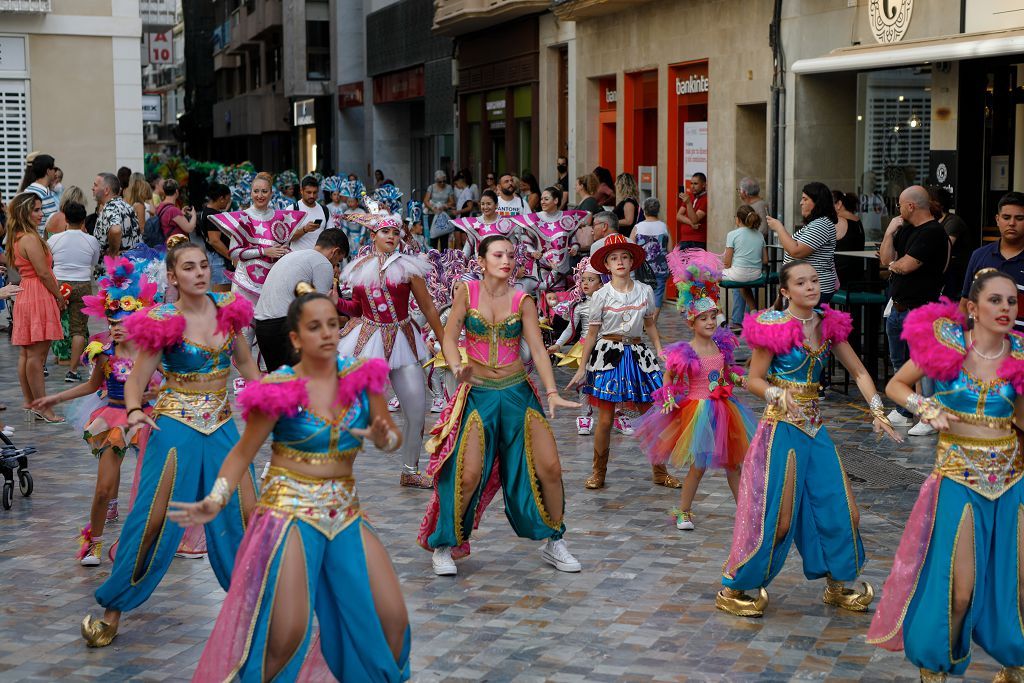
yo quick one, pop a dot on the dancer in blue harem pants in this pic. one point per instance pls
(193, 460)
(825, 533)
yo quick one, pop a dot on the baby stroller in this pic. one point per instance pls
(11, 458)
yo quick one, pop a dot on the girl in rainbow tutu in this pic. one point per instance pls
(700, 423)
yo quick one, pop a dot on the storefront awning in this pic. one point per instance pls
(942, 49)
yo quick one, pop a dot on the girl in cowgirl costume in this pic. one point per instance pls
(621, 370)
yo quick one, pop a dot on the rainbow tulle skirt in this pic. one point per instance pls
(708, 433)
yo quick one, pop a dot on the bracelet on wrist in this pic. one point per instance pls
(391, 442)
(220, 492)
(132, 410)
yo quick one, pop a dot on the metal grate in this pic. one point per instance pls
(874, 472)
(25, 6)
(13, 135)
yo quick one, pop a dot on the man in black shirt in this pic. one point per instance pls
(206, 235)
(916, 250)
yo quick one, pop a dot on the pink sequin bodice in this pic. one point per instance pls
(708, 378)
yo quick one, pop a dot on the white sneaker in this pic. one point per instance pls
(393, 405)
(623, 426)
(8, 430)
(190, 556)
(684, 520)
(584, 426)
(438, 405)
(921, 429)
(898, 420)
(443, 563)
(557, 554)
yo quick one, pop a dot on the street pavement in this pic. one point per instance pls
(642, 609)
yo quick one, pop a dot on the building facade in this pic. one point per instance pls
(927, 93)
(664, 89)
(56, 57)
(163, 76)
(274, 87)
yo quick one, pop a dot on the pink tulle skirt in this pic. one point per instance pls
(108, 428)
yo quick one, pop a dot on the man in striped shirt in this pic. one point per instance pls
(40, 175)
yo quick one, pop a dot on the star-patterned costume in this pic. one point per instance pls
(554, 233)
(252, 232)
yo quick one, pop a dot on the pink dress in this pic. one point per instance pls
(36, 315)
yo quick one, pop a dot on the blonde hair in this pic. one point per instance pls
(72, 193)
(625, 187)
(264, 176)
(19, 223)
(138, 192)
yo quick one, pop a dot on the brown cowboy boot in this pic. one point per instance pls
(663, 478)
(596, 480)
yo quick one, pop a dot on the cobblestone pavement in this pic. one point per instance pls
(641, 610)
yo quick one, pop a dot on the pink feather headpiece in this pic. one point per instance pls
(123, 291)
(696, 273)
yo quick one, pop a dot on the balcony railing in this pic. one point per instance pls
(27, 6)
(461, 16)
(158, 15)
(573, 10)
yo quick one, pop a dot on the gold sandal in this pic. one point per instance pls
(97, 633)
(838, 595)
(739, 604)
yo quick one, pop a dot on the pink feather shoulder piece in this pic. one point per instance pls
(935, 335)
(233, 313)
(835, 325)
(370, 375)
(1012, 369)
(276, 395)
(772, 330)
(155, 328)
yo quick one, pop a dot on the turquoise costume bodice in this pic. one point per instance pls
(973, 400)
(800, 365)
(189, 360)
(313, 438)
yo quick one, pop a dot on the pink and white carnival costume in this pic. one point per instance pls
(512, 228)
(554, 234)
(380, 326)
(252, 232)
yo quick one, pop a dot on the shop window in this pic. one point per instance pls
(641, 120)
(495, 104)
(894, 136)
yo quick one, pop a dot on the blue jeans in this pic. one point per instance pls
(899, 352)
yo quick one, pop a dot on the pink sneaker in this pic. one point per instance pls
(393, 405)
(584, 426)
(623, 426)
(112, 511)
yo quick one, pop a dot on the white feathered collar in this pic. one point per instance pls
(397, 268)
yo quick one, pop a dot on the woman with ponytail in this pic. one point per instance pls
(308, 549)
(793, 486)
(193, 342)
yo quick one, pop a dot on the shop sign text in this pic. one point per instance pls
(694, 85)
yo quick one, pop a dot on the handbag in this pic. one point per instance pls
(441, 225)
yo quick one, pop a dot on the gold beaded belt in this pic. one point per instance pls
(328, 505)
(808, 419)
(988, 466)
(203, 411)
(311, 457)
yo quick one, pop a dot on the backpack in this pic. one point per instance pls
(153, 232)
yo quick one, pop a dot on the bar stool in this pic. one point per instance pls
(869, 306)
(752, 284)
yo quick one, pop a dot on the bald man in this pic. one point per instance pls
(916, 249)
